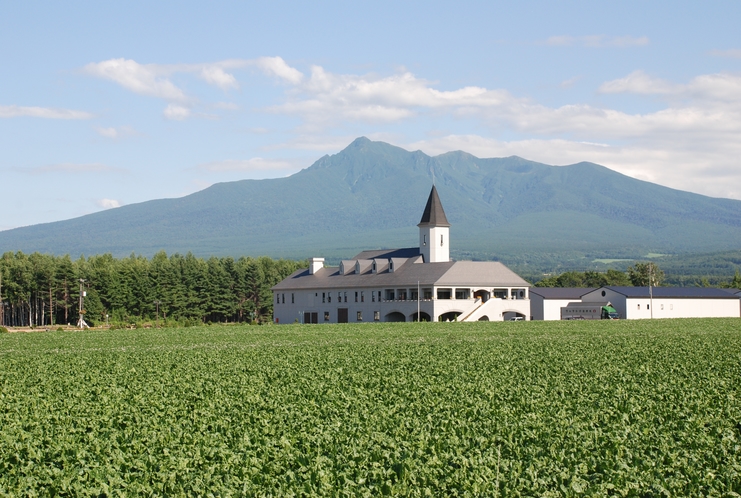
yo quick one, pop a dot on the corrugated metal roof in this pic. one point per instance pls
(561, 292)
(676, 292)
(434, 214)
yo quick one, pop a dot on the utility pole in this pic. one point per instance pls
(419, 319)
(81, 322)
(157, 315)
(650, 288)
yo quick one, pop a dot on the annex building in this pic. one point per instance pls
(640, 302)
(399, 285)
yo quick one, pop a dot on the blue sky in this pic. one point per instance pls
(104, 104)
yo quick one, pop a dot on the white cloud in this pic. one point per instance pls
(638, 82)
(276, 66)
(144, 79)
(570, 82)
(14, 111)
(116, 133)
(720, 87)
(327, 98)
(703, 170)
(597, 41)
(108, 203)
(108, 132)
(218, 77)
(254, 164)
(733, 53)
(705, 107)
(176, 112)
(154, 79)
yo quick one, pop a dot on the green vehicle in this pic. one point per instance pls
(610, 313)
(589, 311)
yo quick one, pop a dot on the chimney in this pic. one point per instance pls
(315, 264)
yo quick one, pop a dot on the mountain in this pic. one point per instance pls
(372, 194)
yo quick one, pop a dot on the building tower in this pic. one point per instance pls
(434, 231)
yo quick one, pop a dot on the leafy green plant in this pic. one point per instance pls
(627, 408)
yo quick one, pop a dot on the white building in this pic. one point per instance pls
(546, 302)
(668, 302)
(397, 285)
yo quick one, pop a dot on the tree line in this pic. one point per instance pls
(638, 275)
(43, 290)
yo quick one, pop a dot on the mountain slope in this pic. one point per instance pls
(372, 195)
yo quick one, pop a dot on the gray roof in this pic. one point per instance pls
(481, 273)
(434, 214)
(408, 252)
(459, 273)
(561, 292)
(678, 292)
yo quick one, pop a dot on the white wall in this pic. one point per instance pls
(547, 309)
(429, 244)
(666, 307)
(681, 308)
(311, 300)
(495, 308)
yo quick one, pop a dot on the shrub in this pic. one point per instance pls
(3, 330)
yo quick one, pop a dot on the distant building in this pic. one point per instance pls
(546, 302)
(668, 302)
(640, 302)
(397, 285)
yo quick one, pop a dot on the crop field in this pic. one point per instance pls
(639, 408)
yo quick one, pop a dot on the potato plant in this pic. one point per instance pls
(434, 409)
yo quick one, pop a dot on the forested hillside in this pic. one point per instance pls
(43, 290)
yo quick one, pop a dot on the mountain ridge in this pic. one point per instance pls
(371, 195)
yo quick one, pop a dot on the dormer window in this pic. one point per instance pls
(373, 266)
(342, 268)
(391, 265)
(357, 267)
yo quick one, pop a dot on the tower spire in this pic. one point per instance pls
(434, 230)
(434, 214)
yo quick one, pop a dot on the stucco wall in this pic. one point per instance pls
(311, 301)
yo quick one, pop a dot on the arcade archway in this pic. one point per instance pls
(424, 317)
(395, 316)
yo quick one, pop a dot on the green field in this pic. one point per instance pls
(484, 409)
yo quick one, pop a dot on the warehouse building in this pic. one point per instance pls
(668, 302)
(546, 302)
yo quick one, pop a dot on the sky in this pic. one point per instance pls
(104, 104)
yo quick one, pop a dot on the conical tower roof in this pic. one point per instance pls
(434, 214)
